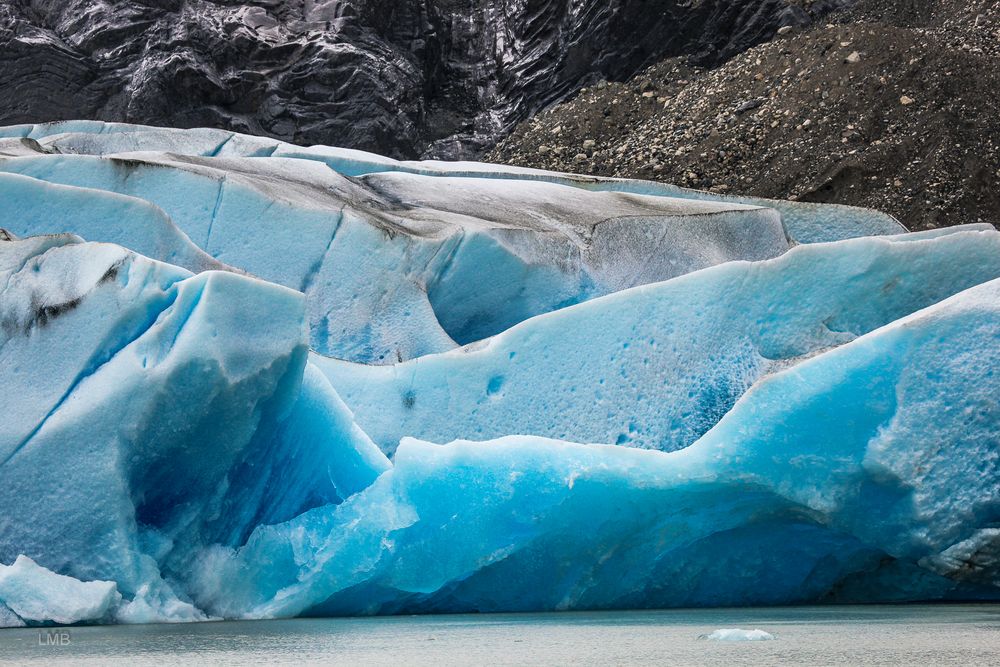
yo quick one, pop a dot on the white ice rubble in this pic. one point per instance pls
(737, 635)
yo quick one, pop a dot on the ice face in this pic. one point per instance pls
(397, 259)
(826, 480)
(32, 207)
(805, 222)
(9, 619)
(392, 264)
(657, 366)
(769, 421)
(168, 411)
(837, 479)
(133, 330)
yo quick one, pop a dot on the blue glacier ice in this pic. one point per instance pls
(245, 379)
(171, 409)
(805, 222)
(658, 365)
(32, 207)
(317, 231)
(391, 260)
(843, 478)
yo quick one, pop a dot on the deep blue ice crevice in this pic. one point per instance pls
(180, 408)
(835, 480)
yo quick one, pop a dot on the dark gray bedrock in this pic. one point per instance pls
(406, 78)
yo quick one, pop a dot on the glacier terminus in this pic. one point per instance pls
(247, 379)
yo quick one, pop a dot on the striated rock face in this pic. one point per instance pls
(435, 77)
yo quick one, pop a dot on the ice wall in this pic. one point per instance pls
(657, 366)
(149, 411)
(852, 476)
(401, 259)
(660, 400)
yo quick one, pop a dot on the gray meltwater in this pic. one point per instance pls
(883, 635)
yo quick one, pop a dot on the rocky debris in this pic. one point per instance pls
(894, 110)
(403, 78)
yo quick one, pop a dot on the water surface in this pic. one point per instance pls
(882, 635)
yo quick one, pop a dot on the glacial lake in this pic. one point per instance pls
(842, 635)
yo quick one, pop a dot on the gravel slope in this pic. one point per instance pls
(894, 106)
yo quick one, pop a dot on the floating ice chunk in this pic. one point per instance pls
(737, 635)
(36, 594)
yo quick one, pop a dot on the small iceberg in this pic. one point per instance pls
(737, 635)
(32, 593)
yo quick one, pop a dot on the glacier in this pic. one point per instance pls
(842, 478)
(658, 365)
(245, 379)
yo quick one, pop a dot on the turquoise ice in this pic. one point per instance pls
(847, 477)
(658, 365)
(149, 411)
(244, 379)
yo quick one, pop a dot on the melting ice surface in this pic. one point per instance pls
(244, 379)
